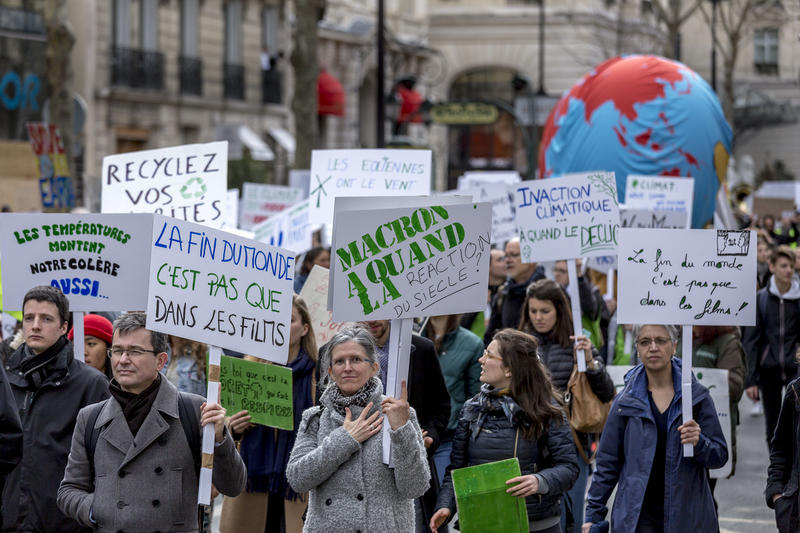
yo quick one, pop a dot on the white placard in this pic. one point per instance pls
(406, 262)
(360, 173)
(504, 227)
(661, 194)
(97, 261)
(188, 182)
(288, 229)
(568, 217)
(230, 217)
(716, 381)
(687, 277)
(315, 294)
(261, 201)
(214, 287)
(469, 179)
(300, 179)
(9, 324)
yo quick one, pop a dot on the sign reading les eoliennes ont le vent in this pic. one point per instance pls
(97, 261)
(410, 261)
(188, 182)
(704, 277)
(572, 216)
(221, 289)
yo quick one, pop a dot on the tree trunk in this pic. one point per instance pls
(671, 47)
(305, 68)
(60, 41)
(729, 64)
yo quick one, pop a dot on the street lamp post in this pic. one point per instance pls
(714, 44)
(380, 131)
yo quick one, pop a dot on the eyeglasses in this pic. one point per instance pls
(646, 342)
(490, 355)
(132, 352)
(354, 361)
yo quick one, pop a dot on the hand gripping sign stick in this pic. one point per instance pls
(207, 463)
(686, 383)
(576, 309)
(399, 359)
(77, 336)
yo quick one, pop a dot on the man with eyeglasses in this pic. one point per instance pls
(507, 302)
(49, 387)
(138, 470)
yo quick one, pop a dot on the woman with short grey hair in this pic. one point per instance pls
(338, 454)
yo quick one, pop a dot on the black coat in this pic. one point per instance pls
(784, 472)
(507, 305)
(552, 456)
(10, 432)
(770, 344)
(48, 418)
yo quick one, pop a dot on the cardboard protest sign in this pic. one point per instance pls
(215, 287)
(300, 179)
(261, 201)
(315, 294)
(716, 381)
(484, 506)
(263, 390)
(402, 262)
(390, 173)
(504, 227)
(661, 194)
(687, 277)
(568, 217)
(230, 216)
(188, 182)
(288, 229)
(97, 261)
(52, 168)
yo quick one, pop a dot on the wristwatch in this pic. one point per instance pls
(595, 365)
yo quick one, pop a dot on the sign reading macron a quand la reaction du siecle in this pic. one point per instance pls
(95, 260)
(214, 287)
(673, 276)
(188, 182)
(403, 262)
(572, 216)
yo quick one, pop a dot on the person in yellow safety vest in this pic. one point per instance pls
(788, 232)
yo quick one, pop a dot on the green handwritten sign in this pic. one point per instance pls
(264, 390)
(484, 506)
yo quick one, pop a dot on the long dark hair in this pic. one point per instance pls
(549, 290)
(452, 324)
(530, 385)
(310, 257)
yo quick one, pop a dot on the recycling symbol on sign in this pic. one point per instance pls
(190, 190)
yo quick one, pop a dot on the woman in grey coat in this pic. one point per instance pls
(338, 454)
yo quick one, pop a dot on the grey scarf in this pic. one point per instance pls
(360, 398)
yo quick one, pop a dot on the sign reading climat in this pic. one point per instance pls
(410, 261)
(685, 277)
(91, 258)
(568, 217)
(215, 287)
(187, 182)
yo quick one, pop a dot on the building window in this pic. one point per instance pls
(148, 10)
(190, 66)
(270, 55)
(122, 23)
(142, 67)
(765, 51)
(269, 23)
(233, 70)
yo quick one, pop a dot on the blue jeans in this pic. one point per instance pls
(575, 497)
(441, 458)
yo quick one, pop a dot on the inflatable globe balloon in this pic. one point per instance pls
(641, 114)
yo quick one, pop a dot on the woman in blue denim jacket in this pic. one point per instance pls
(641, 452)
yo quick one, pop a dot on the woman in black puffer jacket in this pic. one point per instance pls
(516, 414)
(546, 315)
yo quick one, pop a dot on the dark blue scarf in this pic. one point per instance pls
(492, 400)
(266, 450)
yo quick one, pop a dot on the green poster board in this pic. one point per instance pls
(265, 390)
(484, 506)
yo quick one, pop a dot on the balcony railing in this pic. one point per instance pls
(138, 69)
(191, 75)
(233, 80)
(271, 86)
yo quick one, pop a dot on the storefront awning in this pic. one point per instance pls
(284, 139)
(240, 136)
(330, 95)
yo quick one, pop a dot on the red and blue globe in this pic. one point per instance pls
(641, 114)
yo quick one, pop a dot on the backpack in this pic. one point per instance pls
(186, 414)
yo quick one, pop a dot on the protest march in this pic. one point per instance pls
(368, 354)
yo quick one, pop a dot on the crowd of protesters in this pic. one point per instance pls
(113, 444)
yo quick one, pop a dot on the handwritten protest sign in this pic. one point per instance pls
(288, 229)
(660, 193)
(402, 262)
(504, 227)
(716, 381)
(263, 390)
(315, 294)
(687, 277)
(497, 177)
(95, 260)
(188, 182)
(568, 217)
(215, 287)
(365, 173)
(230, 215)
(55, 182)
(261, 201)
